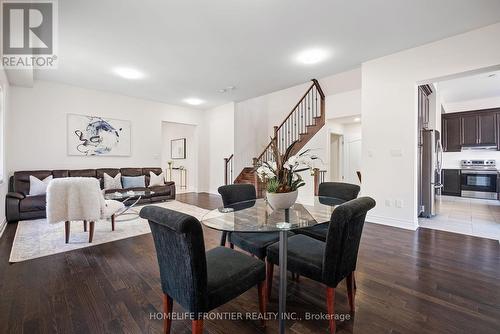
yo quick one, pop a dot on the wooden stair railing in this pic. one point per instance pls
(228, 170)
(305, 119)
(302, 123)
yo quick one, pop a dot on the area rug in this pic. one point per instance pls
(38, 238)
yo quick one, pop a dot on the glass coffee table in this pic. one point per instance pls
(130, 199)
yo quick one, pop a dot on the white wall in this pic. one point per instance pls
(37, 128)
(218, 129)
(172, 131)
(389, 109)
(3, 144)
(476, 104)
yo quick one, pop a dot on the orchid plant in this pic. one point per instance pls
(282, 172)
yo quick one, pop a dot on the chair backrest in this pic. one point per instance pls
(234, 193)
(180, 250)
(74, 198)
(343, 238)
(345, 191)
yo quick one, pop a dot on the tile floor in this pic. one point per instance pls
(470, 216)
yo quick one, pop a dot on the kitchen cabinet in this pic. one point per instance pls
(451, 182)
(451, 132)
(487, 128)
(471, 128)
(470, 132)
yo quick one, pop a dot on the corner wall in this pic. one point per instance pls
(4, 185)
(389, 111)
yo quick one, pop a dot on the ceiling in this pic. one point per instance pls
(478, 86)
(194, 48)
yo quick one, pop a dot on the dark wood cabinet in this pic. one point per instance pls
(471, 128)
(451, 182)
(487, 128)
(451, 132)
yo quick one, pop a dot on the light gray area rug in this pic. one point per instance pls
(38, 238)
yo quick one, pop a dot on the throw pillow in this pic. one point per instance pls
(133, 181)
(112, 182)
(37, 186)
(156, 180)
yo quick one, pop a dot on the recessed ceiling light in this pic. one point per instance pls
(194, 101)
(128, 73)
(357, 119)
(312, 56)
(492, 75)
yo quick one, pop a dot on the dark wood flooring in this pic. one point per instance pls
(408, 282)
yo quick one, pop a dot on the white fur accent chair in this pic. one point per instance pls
(79, 198)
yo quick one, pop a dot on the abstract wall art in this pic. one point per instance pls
(93, 135)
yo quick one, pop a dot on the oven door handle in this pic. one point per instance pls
(479, 172)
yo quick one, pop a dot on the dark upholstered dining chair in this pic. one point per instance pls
(331, 261)
(345, 191)
(253, 242)
(198, 281)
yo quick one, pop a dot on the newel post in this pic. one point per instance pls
(316, 181)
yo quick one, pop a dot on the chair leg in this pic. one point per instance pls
(350, 292)
(168, 305)
(330, 305)
(112, 222)
(197, 326)
(223, 239)
(262, 302)
(66, 230)
(269, 278)
(91, 231)
(354, 282)
(84, 226)
(231, 245)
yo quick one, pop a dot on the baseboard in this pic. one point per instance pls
(3, 225)
(389, 221)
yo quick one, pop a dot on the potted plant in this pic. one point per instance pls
(282, 175)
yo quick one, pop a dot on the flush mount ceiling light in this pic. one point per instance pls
(312, 56)
(128, 73)
(492, 75)
(357, 119)
(194, 101)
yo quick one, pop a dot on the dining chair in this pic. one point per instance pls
(79, 198)
(340, 190)
(253, 242)
(199, 281)
(328, 262)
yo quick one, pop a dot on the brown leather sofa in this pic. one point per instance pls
(19, 206)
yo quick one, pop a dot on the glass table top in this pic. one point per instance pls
(127, 194)
(258, 216)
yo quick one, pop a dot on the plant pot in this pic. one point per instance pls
(282, 200)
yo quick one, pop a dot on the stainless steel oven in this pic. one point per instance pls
(479, 179)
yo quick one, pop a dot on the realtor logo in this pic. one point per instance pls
(29, 34)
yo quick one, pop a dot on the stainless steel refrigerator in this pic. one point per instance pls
(431, 157)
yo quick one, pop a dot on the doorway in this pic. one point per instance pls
(336, 148)
(352, 160)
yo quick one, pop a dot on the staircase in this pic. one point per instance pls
(302, 123)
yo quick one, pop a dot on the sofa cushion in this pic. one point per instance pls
(37, 186)
(33, 203)
(21, 182)
(113, 182)
(131, 171)
(110, 171)
(155, 170)
(133, 181)
(82, 173)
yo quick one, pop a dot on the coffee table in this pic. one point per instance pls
(126, 197)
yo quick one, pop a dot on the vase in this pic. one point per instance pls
(282, 200)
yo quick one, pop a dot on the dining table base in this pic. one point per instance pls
(283, 243)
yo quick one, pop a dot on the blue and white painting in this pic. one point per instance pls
(94, 135)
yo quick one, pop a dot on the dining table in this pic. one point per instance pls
(259, 216)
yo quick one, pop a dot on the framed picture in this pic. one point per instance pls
(178, 148)
(98, 136)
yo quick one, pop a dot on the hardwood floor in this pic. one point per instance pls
(407, 282)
